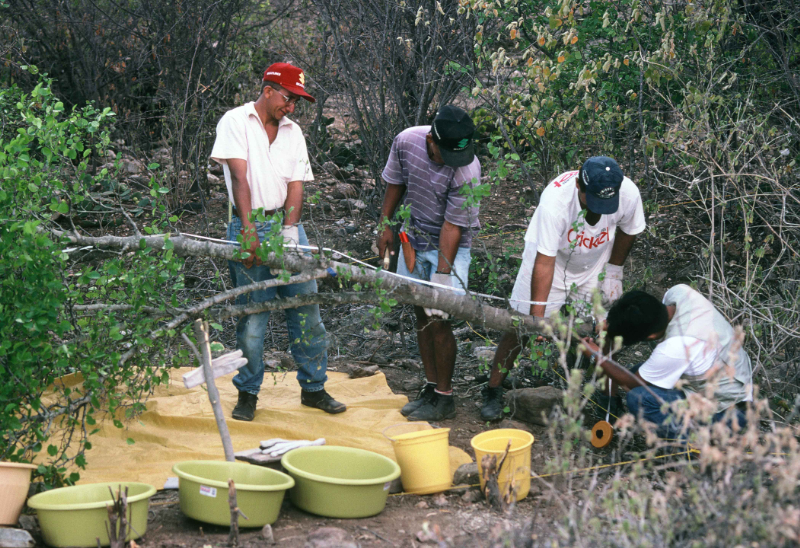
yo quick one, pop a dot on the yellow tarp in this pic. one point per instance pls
(179, 425)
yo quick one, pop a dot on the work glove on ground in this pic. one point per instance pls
(291, 235)
(442, 279)
(612, 283)
(277, 446)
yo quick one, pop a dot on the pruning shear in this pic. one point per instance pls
(409, 254)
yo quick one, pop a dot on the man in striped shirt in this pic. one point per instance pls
(437, 169)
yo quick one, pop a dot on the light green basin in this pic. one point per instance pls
(339, 482)
(203, 486)
(77, 516)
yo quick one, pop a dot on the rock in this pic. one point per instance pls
(411, 365)
(422, 505)
(287, 362)
(466, 474)
(440, 501)
(350, 229)
(330, 537)
(132, 166)
(411, 385)
(333, 170)
(473, 495)
(27, 522)
(15, 538)
(344, 190)
(266, 534)
(216, 169)
(111, 154)
(213, 179)
(516, 425)
(484, 352)
(357, 371)
(358, 204)
(533, 404)
(396, 486)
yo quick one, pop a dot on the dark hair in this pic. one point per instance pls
(269, 83)
(636, 316)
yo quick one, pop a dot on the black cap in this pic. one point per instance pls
(602, 177)
(452, 131)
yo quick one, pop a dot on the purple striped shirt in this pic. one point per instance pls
(433, 190)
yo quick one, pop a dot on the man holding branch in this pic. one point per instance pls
(436, 166)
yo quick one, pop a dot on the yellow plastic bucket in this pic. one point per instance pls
(518, 463)
(424, 459)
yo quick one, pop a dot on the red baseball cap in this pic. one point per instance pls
(288, 77)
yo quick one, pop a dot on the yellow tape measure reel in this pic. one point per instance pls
(602, 432)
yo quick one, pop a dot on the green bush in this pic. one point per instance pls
(48, 328)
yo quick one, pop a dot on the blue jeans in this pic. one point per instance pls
(428, 261)
(307, 335)
(643, 405)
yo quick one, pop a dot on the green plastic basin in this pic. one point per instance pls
(339, 482)
(203, 488)
(77, 515)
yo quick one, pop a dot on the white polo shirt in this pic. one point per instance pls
(270, 168)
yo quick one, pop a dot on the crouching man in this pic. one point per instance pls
(699, 347)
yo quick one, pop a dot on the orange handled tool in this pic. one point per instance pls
(409, 254)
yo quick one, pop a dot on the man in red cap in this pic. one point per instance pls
(265, 161)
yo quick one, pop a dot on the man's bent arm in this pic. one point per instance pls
(392, 197)
(622, 247)
(241, 189)
(294, 203)
(541, 281)
(449, 238)
(618, 374)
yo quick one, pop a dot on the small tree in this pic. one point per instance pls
(45, 332)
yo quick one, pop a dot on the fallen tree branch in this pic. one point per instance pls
(464, 307)
(404, 291)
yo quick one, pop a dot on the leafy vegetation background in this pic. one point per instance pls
(698, 101)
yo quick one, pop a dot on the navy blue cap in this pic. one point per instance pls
(602, 177)
(452, 130)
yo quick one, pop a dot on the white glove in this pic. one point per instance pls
(612, 283)
(442, 279)
(277, 447)
(291, 235)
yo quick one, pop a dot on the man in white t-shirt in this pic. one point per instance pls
(265, 161)
(700, 351)
(578, 239)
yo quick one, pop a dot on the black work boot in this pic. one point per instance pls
(245, 408)
(438, 408)
(493, 404)
(322, 400)
(423, 397)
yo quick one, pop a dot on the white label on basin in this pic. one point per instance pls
(387, 485)
(208, 491)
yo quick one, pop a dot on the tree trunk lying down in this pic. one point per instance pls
(463, 307)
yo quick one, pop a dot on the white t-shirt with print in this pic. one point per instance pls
(270, 167)
(558, 229)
